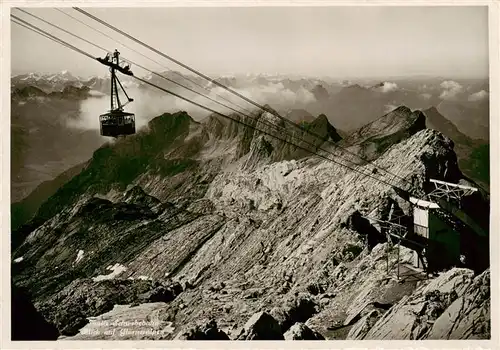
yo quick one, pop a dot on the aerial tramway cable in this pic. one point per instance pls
(49, 36)
(140, 66)
(72, 47)
(274, 126)
(152, 60)
(230, 90)
(172, 81)
(64, 30)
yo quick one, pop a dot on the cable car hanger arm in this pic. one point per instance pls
(114, 65)
(125, 92)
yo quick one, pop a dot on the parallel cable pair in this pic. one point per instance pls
(215, 82)
(72, 47)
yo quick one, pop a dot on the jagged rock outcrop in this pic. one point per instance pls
(71, 308)
(208, 331)
(453, 306)
(295, 310)
(300, 331)
(472, 154)
(26, 322)
(261, 326)
(468, 316)
(376, 137)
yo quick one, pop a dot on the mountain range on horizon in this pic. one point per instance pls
(361, 103)
(465, 103)
(67, 76)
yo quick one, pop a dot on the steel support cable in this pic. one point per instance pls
(152, 60)
(227, 88)
(64, 30)
(172, 81)
(137, 64)
(276, 127)
(236, 93)
(134, 63)
(62, 42)
(264, 132)
(50, 36)
(35, 30)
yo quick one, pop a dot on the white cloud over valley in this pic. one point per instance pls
(478, 96)
(451, 90)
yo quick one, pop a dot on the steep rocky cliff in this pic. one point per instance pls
(473, 154)
(218, 231)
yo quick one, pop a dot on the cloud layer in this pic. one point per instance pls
(148, 103)
(451, 90)
(388, 87)
(478, 96)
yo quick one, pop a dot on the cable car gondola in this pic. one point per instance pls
(117, 122)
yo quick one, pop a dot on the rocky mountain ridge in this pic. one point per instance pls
(473, 154)
(219, 231)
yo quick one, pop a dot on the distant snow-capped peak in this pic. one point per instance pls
(61, 76)
(29, 76)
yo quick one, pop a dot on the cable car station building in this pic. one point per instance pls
(438, 229)
(451, 236)
(443, 242)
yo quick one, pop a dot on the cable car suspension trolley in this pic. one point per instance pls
(117, 122)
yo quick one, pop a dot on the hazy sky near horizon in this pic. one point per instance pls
(314, 41)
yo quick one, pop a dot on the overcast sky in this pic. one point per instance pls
(315, 41)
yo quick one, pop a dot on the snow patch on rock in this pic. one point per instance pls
(79, 256)
(116, 270)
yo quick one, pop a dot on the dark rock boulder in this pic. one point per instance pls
(159, 293)
(27, 322)
(137, 196)
(83, 298)
(467, 317)
(299, 309)
(105, 210)
(208, 331)
(261, 326)
(454, 305)
(315, 288)
(300, 331)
